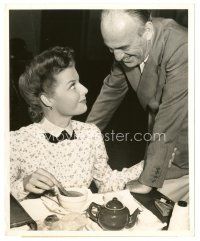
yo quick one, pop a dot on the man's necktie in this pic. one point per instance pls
(133, 76)
(64, 135)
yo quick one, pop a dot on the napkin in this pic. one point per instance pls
(36, 209)
(21, 228)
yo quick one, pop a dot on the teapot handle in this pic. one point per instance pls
(90, 211)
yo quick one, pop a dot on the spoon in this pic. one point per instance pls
(60, 189)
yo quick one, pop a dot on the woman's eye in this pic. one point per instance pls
(111, 51)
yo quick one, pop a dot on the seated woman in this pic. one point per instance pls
(55, 149)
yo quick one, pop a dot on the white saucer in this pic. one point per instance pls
(52, 204)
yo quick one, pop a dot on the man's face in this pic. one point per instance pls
(126, 39)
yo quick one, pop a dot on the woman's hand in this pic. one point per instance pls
(39, 181)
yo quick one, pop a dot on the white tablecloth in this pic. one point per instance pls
(37, 209)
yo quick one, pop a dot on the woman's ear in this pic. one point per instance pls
(46, 100)
(148, 33)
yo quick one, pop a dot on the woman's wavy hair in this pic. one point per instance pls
(39, 77)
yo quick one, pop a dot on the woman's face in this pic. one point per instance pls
(69, 97)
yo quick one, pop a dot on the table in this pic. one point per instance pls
(147, 200)
(19, 217)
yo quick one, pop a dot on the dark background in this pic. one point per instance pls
(32, 31)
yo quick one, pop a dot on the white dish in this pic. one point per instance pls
(54, 205)
(74, 204)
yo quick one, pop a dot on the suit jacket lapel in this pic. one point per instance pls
(148, 83)
(148, 86)
(145, 84)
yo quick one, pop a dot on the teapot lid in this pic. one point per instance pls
(114, 204)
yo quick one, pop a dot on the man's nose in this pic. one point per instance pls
(118, 55)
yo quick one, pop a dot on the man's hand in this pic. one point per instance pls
(39, 181)
(137, 187)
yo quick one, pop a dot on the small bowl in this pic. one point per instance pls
(75, 204)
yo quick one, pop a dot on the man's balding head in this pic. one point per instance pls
(126, 28)
(141, 15)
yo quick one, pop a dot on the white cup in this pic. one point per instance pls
(74, 204)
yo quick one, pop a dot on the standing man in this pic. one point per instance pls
(151, 56)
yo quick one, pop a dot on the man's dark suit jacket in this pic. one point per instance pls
(163, 92)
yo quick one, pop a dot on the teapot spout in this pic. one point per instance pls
(133, 218)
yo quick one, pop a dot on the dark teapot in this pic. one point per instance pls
(112, 216)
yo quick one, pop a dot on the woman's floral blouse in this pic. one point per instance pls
(75, 163)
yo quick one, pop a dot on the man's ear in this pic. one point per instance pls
(148, 33)
(47, 101)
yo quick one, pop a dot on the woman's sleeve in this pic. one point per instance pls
(16, 181)
(105, 178)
